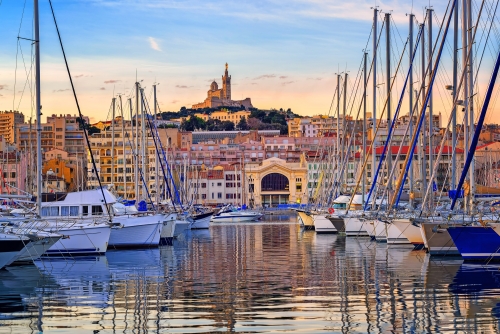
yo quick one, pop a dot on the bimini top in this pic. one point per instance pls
(85, 197)
(344, 199)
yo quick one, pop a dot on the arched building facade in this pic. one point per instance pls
(274, 181)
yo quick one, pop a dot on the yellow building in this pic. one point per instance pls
(275, 181)
(8, 122)
(225, 115)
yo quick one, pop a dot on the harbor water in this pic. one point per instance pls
(264, 277)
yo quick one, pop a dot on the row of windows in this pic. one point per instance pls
(70, 211)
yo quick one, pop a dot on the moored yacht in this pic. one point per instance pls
(230, 214)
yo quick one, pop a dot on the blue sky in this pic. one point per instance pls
(280, 53)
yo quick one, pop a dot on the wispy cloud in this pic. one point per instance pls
(283, 77)
(111, 81)
(182, 86)
(78, 76)
(174, 101)
(265, 76)
(315, 79)
(153, 43)
(287, 83)
(102, 88)
(60, 90)
(3, 87)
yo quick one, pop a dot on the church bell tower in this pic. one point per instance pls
(226, 85)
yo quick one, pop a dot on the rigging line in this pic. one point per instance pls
(486, 42)
(17, 51)
(82, 121)
(27, 77)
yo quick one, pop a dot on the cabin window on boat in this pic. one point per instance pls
(85, 210)
(97, 210)
(69, 211)
(50, 211)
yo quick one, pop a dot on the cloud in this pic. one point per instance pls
(265, 76)
(102, 88)
(287, 83)
(283, 77)
(174, 101)
(254, 83)
(3, 87)
(154, 44)
(315, 79)
(111, 81)
(182, 86)
(1, 95)
(60, 90)
(78, 76)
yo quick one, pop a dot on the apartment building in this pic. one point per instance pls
(8, 122)
(62, 132)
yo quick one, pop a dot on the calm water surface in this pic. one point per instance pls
(254, 278)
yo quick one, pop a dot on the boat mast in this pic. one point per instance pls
(345, 155)
(374, 69)
(136, 156)
(338, 132)
(156, 155)
(113, 142)
(145, 185)
(422, 153)
(472, 170)
(410, 98)
(388, 86)
(453, 182)
(38, 109)
(124, 156)
(431, 126)
(365, 83)
(466, 88)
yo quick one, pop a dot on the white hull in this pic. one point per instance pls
(7, 258)
(167, 232)
(410, 231)
(203, 223)
(354, 227)
(81, 240)
(142, 231)
(323, 224)
(395, 236)
(181, 226)
(380, 231)
(236, 217)
(37, 248)
(370, 228)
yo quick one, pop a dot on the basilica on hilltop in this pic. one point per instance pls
(222, 97)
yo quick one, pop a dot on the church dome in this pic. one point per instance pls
(214, 86)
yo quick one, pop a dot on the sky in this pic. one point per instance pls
(281, 53)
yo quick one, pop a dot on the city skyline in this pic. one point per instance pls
(282, 54)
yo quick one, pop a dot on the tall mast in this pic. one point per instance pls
(113, 142)
(466, 87)
(157, 196)
(453, 182)
(38, 110)
(124, 156)
(388, 87)
(365, 83)
(143, 146)
(472, 185)
(136, 144)
(374, 116)
(345, 154)
(422, 137)
(431, 126)
(132, 149)
(339, 159)
(410, 98)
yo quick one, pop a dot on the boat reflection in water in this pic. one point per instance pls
(255, 277)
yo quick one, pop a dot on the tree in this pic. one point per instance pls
(242, 125)
(227, 126)
(193, 123)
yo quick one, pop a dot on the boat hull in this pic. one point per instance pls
(10, 250)
(143, 231)
(85, 240)
(323, 225)
(395, 236)
(380, 231)
(338, 223)
(437, 240)
(355, 227)
(36, 249)
(201, 221)
(306, 220)
(409, 231)
(476, 243)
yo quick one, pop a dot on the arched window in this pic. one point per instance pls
(274, 182)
